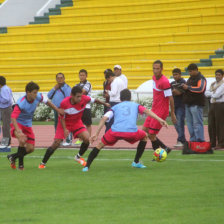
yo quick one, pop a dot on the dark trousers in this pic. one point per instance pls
(179, 126)
(109, 124)
(6, 120)
(216, 124)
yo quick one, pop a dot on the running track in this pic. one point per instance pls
(45, 135)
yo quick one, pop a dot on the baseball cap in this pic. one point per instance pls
(117, 66)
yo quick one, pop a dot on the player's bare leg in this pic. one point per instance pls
(49, 152)
(84, 136)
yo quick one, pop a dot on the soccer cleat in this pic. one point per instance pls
(12, 162)
(78, 142)
(137, 165)
(21, 168)
(80, 160)
(42, 166)
(168, 150)
(85, 169)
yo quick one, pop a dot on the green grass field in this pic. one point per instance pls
(185, 189)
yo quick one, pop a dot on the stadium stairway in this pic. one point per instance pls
(96, 34)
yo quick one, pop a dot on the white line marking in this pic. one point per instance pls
(126, 159)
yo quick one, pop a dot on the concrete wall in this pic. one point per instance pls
(21, 12)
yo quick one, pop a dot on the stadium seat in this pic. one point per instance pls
(96, 34)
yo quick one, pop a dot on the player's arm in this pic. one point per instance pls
(18, 132)
(51, 105)
(153, 115)
(66, 131)
(99, 102)
(172, 113)
(104, 119)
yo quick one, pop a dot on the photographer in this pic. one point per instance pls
(178, 91)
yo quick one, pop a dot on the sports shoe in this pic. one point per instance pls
(85, 169)
(21, 168)
(66, 144)
(179, 144)
(137, 165)
(42, 166)
(80, 160)
(78, 142)
(12, 162)
(168, 150)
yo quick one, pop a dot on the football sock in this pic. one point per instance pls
(93, 154)
(155, 144)
(47, 155)
(161, 144)
(140, 150)
(22, 152)
(83, 148)
(16, 155)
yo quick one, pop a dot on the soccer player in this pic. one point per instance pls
(72, 122)
(21, 126)
(162, 96)
(124, 127)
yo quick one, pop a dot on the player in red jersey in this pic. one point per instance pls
(162, 97)
(71, 122)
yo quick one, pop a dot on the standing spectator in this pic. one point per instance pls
(194, 99)
(216, 110)
(86, 90)
(5, 110)
(56, 95)
(179, 106)
(118, 73)
(162, 97)
(117, 85)
(106, 87)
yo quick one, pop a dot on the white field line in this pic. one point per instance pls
(125, 159)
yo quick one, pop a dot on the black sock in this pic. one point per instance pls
(83, 148)
(155, 144)
(22, 152)
(161, 144)
(16, 155)
(47, 155)
(140, 150)
(93, 154)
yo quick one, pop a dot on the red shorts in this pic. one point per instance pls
(76, 129)
(110, 137)
(28, 131)
(153, 125)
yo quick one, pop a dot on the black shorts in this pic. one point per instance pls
(87, 117)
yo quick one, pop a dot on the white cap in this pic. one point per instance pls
(117, 66)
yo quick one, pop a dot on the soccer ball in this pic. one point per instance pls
(160, 155)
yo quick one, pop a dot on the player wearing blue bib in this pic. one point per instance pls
(124, 127)
(21, 127)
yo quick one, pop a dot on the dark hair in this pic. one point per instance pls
(107, 70)
(219, 71)
(158, 62)
(83, 70)
(125, 95)
(2, 81)
(60, 73)
(32, 86)
(176, 70)
(75, 90)
(109, 74)
(192, 67)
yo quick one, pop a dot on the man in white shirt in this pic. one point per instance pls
(117, 85)
(118, 73)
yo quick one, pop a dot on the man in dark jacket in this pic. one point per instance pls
(194, 99)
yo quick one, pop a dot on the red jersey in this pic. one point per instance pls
(73, 112)
(161, 93)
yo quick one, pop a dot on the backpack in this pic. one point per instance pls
(197, 148)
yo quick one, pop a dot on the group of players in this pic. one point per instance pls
(69, 121)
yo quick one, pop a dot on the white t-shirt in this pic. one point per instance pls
(117, 85)
(124, 79)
